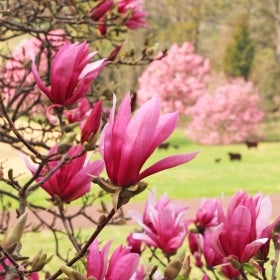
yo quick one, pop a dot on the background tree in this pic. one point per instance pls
(178, 78)
(230, 115)
(239, 53)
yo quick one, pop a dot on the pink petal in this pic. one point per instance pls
(97, 261)
(139, 132)
(167, 163)
(38, 80)
(251, 249)
(124, 267)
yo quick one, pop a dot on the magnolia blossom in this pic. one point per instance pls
(135, 16)
(122, 265)
(71, 74)
(127, 142)
(72, 179)
(134, 244)
(206, 215)
(164, 224)
(245, 228)
(16, 75)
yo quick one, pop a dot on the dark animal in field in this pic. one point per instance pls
(167, 145)
(251, 144)
(235, 156)
(164, 146)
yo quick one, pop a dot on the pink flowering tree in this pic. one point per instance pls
(79, 147)
(178, 78)
(231, 114)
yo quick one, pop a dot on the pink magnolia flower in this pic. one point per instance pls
(101, 9)
(134, 244)
(71, 74)
(163, 223)
(72, 179)
(122, 264)
(137, 17)
(92, 124)
(245, 229)
(206, 215)
(127, 142)
(16, 74)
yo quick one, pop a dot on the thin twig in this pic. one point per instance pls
(84, 250)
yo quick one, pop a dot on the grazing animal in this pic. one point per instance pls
(251, 144)
(235, 156)
(164, 146)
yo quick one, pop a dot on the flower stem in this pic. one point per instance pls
(67, 228)
(84, 250)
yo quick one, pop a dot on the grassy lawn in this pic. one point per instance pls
(203, 177)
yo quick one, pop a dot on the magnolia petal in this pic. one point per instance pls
(216, 244)
(251, 249)
(124, 267)
(145, 238)
(167, 163)
(38, 80)
(166, 125)
(97, 261)
(139, 132)
(92, 69)
(264, 215)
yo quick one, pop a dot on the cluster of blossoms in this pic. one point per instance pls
(130, 12)
(222, 110)
(231, 114)
(178, 78)
(126, 141)
(229, 243)
(236, 240)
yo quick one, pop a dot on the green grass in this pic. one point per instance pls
(203, 177)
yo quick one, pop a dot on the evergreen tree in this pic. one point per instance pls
(239, 53)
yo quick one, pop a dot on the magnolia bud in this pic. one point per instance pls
(72, 274)
(13, 235)
(40, 261)
(172, 270)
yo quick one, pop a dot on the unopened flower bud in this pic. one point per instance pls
(40, 261)
(114, 53)
(91, 127)
(13, 235)
(101, 9)
(172, 270)
(72, 274)
(186, 267)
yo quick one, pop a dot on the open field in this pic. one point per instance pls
(203, 177)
